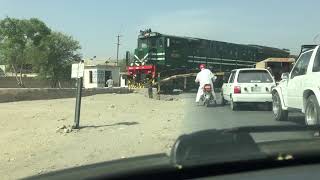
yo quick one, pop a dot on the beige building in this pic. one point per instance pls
(96, 74)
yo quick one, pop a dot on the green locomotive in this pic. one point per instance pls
(169, 55)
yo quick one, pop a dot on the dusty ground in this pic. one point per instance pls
(114, 126)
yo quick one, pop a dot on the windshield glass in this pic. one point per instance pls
(84, 82)
(151, 42)
(142, 43)
(252, 76)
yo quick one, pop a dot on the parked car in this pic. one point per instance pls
(248, 85)
(300, 89)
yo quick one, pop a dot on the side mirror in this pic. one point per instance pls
(285, 76)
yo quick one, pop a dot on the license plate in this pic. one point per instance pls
(255, 89)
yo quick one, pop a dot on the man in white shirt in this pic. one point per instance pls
(110, 82)
(205, 76)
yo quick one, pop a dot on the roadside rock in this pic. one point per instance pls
(62, 119)
(64, 129)
(67, 130)
(59, 129)
(11, 159)
(170, 99)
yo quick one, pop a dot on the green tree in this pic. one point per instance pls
(58, 53)
(17, 37)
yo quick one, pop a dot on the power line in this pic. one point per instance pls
(118, 45)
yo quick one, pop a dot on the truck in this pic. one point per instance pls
(299, 90)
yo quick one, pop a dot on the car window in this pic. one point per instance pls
(254, 76)
(316, 64)
(302, 65)
(231, 80)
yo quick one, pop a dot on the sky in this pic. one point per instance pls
(96, 23)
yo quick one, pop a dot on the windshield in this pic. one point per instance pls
(151, 42)
(84, 82)
(142, 43)
(252, 76)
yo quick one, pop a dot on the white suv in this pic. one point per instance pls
(248, 85)
(300, 89)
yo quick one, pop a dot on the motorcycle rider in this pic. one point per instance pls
(205, 76)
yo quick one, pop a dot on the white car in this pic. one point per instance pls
(300, 89)
(248, 85)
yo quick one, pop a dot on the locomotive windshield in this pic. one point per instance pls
(142, 43)
(151, 42)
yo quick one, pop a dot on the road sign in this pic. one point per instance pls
(77, 70)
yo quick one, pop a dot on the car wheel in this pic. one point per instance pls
(223, 101)
(233, 105)
(269, 106)
(312, 113)
(207, 103)
(278, 112)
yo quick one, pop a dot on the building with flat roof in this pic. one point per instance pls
(97, 72)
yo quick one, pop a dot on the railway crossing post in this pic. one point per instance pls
(78, 103)
(185, 83)
(158, 89)
(77, 72)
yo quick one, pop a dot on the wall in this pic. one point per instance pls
(123, 81)
(116, 76)
(86, 80)
(31, 82)
(24, 94)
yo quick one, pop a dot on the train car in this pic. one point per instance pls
(165, 55)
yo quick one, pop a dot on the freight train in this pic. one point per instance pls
(165, 55)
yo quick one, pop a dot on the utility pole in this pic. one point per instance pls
(118, 44)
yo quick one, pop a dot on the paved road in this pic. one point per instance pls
(219, 117)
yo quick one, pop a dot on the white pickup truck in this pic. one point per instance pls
(300, 89)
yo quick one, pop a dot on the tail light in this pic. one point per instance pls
(207, 87)
(237, 90)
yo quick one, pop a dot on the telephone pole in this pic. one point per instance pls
(118, 44)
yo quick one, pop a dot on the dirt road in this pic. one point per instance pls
(35, 137)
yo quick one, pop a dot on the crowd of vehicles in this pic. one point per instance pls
(298, 90)
(160, 56)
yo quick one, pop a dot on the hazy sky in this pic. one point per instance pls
(95, 23)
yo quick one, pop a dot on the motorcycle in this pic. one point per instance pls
(207, 97)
